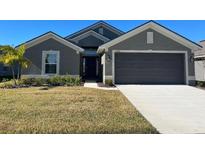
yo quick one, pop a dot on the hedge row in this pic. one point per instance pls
(52, 81)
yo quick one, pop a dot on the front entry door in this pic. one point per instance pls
(91, 68)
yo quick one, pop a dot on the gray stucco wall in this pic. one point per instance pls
(139, 42)
(69, 59)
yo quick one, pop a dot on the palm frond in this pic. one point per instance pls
(24, 62)
(7, 49)
(21, 50)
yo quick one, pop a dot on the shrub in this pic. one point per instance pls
(40, 82)
(56, 81)
(52, 81)
(200, 83)
(5, 78)
(27, 81)
(34, 81)
(64, 81)
(71, 81)
(7, 84)
(109, 82)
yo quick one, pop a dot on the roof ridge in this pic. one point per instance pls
(148, 22)
(92, 25)
(92, 32)
(53, 33)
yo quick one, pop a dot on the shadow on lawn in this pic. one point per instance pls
(47, 88)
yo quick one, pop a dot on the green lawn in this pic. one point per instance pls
(68, 110)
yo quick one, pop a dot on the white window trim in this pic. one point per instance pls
(43, 61)
(187, 77)
(103, 64)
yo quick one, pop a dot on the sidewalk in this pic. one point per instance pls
(93, 84)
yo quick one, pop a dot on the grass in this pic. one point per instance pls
(68, 110)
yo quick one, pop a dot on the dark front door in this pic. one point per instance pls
(90, 68)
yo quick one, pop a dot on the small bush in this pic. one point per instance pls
(7, 84)
(64, 81)
(40, 82)
(34, 81)
(27, 81)
(5, 78)
(109, 83)
(70, 81)
(200, 83)
(56, 81)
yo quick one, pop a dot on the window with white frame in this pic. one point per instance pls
(150, 39)
(50, 62)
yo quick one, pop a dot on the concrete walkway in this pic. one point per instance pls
(93, 84)
(170, 109)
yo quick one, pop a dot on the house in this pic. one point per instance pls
(75, 55)
(5, 71)
(200, 63)
(147, 54)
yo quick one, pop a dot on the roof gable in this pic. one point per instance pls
(157, 27)
(50, 35)
(90, 33)
(95, 26)
(201, 53)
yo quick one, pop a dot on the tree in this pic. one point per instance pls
(14, 56)
(21, 60)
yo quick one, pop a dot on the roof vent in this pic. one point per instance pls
(100, 30)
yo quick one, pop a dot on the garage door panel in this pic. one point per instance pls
(149, 68)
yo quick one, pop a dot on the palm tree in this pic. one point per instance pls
(21, 60)
(14, 56)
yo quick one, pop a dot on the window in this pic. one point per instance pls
(150, 39)
(50, 62)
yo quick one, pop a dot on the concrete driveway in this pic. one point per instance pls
(169, 108)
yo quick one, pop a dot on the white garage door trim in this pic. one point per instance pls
(150, 51)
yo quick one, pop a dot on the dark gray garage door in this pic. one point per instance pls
(149, 68)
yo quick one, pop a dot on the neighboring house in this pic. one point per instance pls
(148, 54)
(200, 63)
(5, 71)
